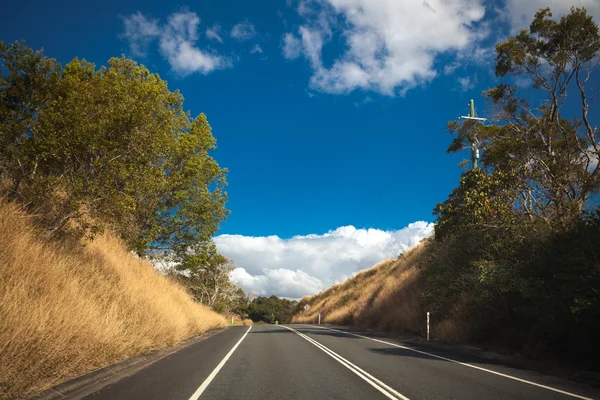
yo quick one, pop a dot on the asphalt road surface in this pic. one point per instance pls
(311, 362)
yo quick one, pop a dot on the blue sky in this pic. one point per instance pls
(327, 113)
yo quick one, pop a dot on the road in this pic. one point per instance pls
(312, 362)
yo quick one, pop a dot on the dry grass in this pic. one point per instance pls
(237, 320)
(71, 309)
(386, 297)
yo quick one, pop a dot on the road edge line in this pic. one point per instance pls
(461, 363)
(215, 371)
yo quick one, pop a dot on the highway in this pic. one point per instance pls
(314, 362)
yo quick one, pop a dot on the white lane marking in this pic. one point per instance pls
(461, 363)
(212, 375)
(387, 391)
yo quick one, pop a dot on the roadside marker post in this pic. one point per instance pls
(319, 318)
(428, 326)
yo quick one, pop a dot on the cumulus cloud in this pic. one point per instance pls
(389, 46)
(243, 31)
(177, 42)
(392, 46)
(304, 265)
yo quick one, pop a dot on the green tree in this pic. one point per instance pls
(207, 274)
(549, 160)
(84, 148)
(515, 250)
(271, 309)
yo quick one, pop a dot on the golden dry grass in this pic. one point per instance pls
(66, 310)
(237, 320)
(386, 297)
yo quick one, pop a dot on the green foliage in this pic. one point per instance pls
(84, 148)
(271, 309)
(516, 243)
(549, 160)
(528, 287)
(480, 199)
(571, 41)
(206, 274)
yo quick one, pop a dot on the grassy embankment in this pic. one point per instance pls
(69, 309)
(385, 297)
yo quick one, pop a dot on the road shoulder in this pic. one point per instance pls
(83, 385)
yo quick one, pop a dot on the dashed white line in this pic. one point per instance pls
(387, 391)
(461, 363)
(212, 375)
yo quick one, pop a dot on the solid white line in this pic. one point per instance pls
(212, 375)
(387, 391)
(461, 363)
(365, 375)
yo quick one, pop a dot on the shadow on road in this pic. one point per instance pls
(271, 329)
(325, 332)
(395, 351)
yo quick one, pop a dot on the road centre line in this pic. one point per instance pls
(212, 375)
(459, 362)
(387, 391)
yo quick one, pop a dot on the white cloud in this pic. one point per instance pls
(593, 164)
(523, 82)
(292, 46)
(256, 50)
(291, 284)
(466, 83)
(450, 68)
(593, 159)
(213, 33)
(304, 265)
(243, 31)
(520, 13)
(366, 100)
(389, 46)
(139, 31)
(177, 42)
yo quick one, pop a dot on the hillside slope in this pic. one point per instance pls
(67, 310)
(386, 297)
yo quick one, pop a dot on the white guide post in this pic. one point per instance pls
(428, 326)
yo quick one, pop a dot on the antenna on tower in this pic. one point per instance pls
(474, 147)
